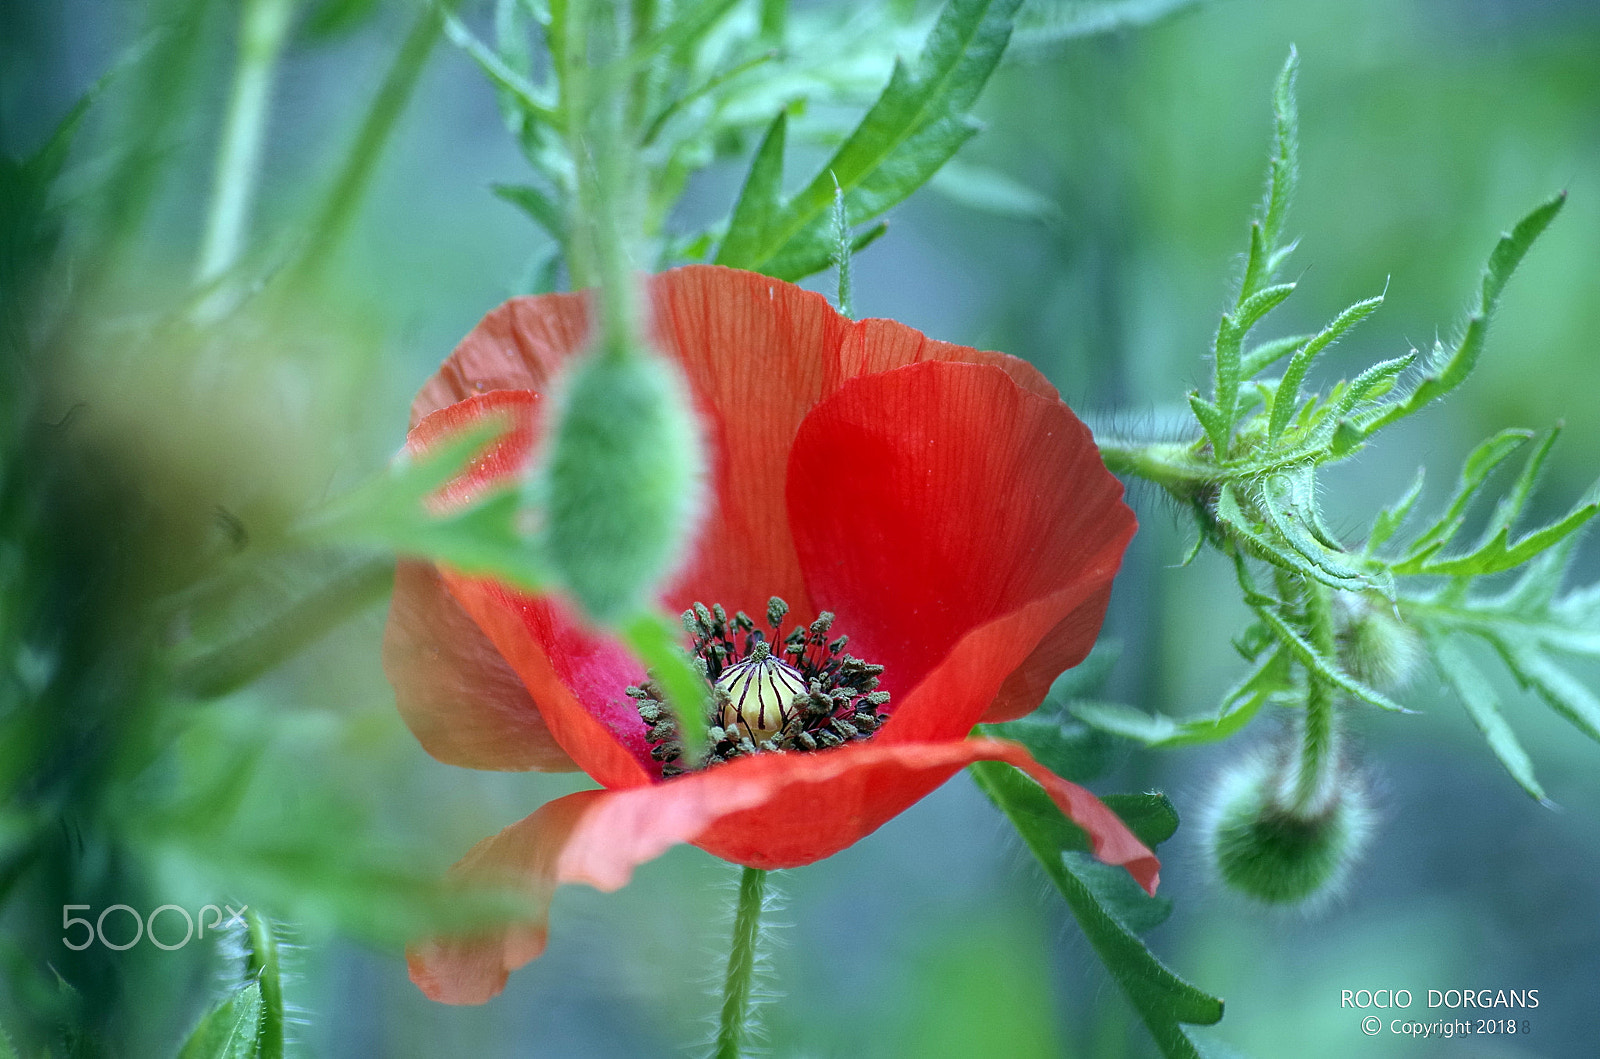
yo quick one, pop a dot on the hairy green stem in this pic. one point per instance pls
(1319, 730)
(1168, 465)
(733, 1031)
(339, 208)
(263, 28)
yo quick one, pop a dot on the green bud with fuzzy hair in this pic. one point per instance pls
(1266, 848)
(1375, 646)
(622, 482)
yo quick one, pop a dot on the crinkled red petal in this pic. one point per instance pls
(458, 695)
(766, 811)
(962, 526)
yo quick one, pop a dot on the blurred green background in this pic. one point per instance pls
(1427, 127)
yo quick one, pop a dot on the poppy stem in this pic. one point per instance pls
(733, 1030)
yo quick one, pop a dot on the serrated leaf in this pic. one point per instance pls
(1510, 506)
(1468, 682)
(917, 123)
(1283, 170)
(1390, 519)
(1108, 909)
(1497, 555)
(537, 205)
(231, 1030)
(1287, 397)
(389, 510)
(1291, 515)
(1483, 459)
(1043, 23)
(1151, 817)
(1239, 708)
(1069, 748)
(1231, 331)
(1215, 424)
(1259, 358)
(1564, 693)
(1321, 665)
(1448, 372)
(993, 192)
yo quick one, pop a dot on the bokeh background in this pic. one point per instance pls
(1428, 126)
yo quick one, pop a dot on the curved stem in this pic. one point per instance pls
(1318, 733)
(263, 28)
(733, 1030)
(339, 208)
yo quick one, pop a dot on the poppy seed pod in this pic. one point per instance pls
(1265, 847)
(622, 481)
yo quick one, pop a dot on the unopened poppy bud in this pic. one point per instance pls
(1375, 646)
(759, 691)
(1266, 848)
(622, 481)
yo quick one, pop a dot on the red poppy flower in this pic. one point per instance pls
(942, 503)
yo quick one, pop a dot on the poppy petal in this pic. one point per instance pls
(576, 676)
(518, 346)
(473, 968)
(765, 811)
(460, 698)
(940, 498)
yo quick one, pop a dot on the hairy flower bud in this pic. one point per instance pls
(1265, 847)
(1375, 646)
(622, 481)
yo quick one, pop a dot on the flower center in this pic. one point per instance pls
(769, 694)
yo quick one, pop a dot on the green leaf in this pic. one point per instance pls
(264, 967)
(1510, 506)
(1390, 519)
(1448, 372)
(1564, 693)
(918, 122)
(656, 640)
(537, 205)
(1151, 816)
(534, 103)
(1231, 332)
(1109, 907)
(1456, 668)
(759, 206)
(482, 538)
(331, 18)
(1258, 359)
(1323, 666)
(1287, 397)
(993, 192)
(231, 1030)
(1215, 424)
(1290, 510)
(1496, 554)
(1239, 708)
(1482, 460)
(1069, 748)
(1042, 24)
(1283, 169)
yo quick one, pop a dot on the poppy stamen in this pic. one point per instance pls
(770, 693)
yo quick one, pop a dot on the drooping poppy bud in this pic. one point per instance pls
(622, 481)
(1375, 645)
(1266, 847)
